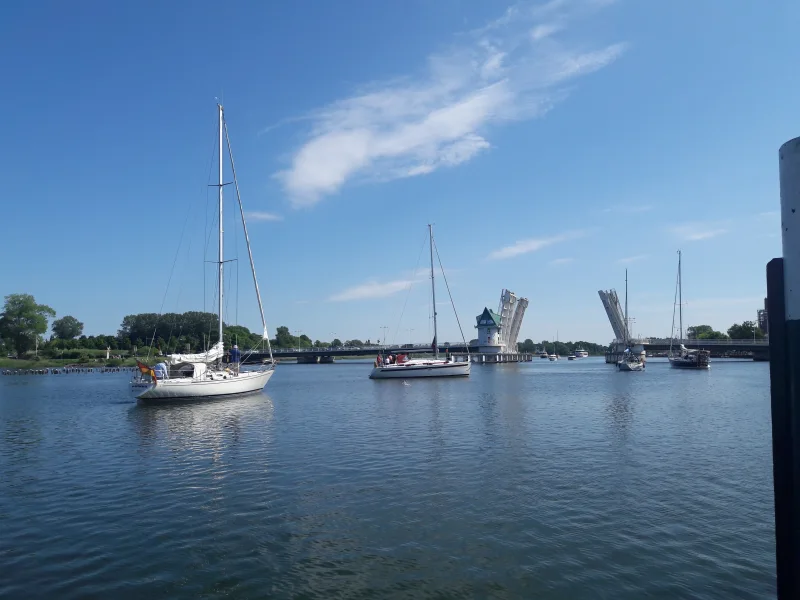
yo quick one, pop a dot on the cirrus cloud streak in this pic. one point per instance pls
(513, 69)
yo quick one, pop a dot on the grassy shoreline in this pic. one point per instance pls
(51, 363)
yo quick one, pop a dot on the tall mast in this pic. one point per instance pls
(680, 297)
(247, 240)
(627, 334)
(433, 295)
(221, 263)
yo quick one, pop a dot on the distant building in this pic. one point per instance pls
(763, 321)
(498, 331)
(489, 325)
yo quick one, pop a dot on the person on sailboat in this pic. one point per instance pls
(236, 357)
(161, 370)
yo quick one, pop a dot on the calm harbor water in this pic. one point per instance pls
(540, 480)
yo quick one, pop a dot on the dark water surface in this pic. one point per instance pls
(541, 480)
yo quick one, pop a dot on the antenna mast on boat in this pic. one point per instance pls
(627, 333)
(433, 295)
(265, 335)
(680, 298)
(221, 263)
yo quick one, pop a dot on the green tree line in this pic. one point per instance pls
(23, 324)
(738, 331)
(561, 348)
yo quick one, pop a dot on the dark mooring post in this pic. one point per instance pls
(783, 311)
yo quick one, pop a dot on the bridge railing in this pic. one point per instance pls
(747, 342)
(371, 348)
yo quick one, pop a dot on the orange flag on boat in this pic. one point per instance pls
(147, 371)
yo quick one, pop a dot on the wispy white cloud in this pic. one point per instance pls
(561, 261)
(543, 31)
(693, 232)
(632, 259)
(532, 245)
(515, 68)
(372, 289)
(769, 214)
(262, 216)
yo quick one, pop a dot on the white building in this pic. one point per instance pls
(498, 331)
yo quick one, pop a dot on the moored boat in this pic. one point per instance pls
(400, 368)
(204, 376)
(682, 357)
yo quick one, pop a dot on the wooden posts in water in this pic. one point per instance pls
(783, 312)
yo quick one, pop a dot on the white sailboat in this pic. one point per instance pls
(681, 357)
(202, 376)
(405, 369)
(554, 356)
(629, 361)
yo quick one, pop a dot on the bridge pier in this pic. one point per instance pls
(307, 360)
(326, 360)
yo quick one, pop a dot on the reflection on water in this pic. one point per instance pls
(540, 480)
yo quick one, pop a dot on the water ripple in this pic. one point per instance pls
(546, 480)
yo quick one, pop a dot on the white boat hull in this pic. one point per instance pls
(190, 388)
(417, 369)
(630, 366)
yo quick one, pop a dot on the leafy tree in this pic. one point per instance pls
(22, 321)
(704, 332)
(744, 331)
(238, 334)
(284, 339)
(67, 328)
(713, 335)
(355, 343)
(526, 346)
(336, 343)
(695, 331)
(195, 328)
(305, 341)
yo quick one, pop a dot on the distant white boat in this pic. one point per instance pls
(202, 376)
(421, 368)
(630, 362)
(406, 369)
(581, 353)
(554, 356)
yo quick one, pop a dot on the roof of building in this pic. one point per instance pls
(489, 315)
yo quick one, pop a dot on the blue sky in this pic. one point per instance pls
(553, 144)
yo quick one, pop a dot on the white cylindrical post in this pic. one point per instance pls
(789, 157)
(783, 312)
